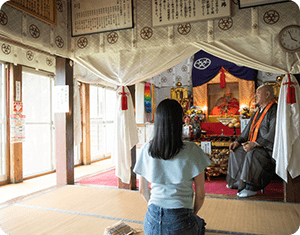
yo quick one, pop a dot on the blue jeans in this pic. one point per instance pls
(162, 221)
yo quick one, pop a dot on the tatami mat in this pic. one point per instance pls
(255, 217)
(33, 221)
(107, 202)
(86, 210)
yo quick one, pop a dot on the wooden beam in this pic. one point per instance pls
(16, 153)
(292, 189)
(8, 101)
(64, 122)
(85, 123)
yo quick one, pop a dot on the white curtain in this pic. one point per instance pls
(125, 137)
(131, 67)
(287, 139)
(253, 52)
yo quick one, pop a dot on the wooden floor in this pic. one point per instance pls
(90, 209)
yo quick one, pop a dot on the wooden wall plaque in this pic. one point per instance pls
(45, 10)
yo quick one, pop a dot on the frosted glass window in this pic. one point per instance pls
(36, 98)
(109, 137)
(38, 149)
(102, 110)
(93, 101)
(110, 104)
(77, 155)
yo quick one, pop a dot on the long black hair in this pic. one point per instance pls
(167, 141)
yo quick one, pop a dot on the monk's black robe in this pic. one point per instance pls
(256, 167)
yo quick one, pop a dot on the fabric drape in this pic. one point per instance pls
(287, 138)
(133, 66)
(254, 52)
(207, 66)
(125, 137)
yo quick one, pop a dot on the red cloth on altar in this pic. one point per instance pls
(215, 128)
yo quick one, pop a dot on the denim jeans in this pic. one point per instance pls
(162, 221)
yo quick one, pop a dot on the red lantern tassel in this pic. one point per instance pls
(124, 100)
(291, 98)
(222, 78)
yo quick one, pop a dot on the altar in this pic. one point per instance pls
(221, 89)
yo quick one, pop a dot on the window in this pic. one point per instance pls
(102, 111)
(38, 147)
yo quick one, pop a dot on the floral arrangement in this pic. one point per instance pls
(245, 113)
(194, 116)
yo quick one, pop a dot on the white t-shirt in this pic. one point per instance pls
(172, 180)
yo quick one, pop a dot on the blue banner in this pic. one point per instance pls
(207, 66)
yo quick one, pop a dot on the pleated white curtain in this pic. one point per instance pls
(131, 67)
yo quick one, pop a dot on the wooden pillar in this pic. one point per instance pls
(64, 131)
(85, 123)
(132, 184)
(16, 153)
(292, 189)
(8, 101)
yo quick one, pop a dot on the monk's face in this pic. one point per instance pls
(261, 97)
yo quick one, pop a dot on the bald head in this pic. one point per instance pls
(264, 94)
(269, 89)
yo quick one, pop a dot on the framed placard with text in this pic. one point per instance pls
(254, 3)
(44, 10)
(168, 12)
(94, 16)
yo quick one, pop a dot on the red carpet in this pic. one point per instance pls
(217, 185)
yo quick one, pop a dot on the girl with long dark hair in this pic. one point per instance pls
(172, 166)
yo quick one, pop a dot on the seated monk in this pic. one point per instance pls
(251, 166)
(226, 104)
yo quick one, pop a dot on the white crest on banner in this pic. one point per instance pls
(202, 63)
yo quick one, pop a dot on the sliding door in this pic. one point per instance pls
(38, 147)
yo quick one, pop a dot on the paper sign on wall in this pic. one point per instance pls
(18, 107)
(17, 128)
(167, 12)
(92, 16)
(18, 90)
(206, 147)
(61, 99)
